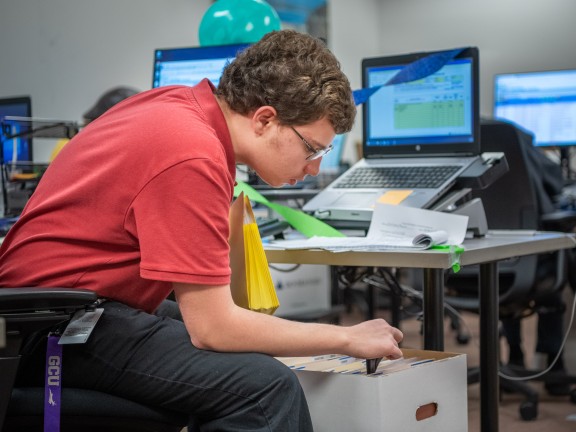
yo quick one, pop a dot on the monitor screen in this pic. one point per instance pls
(544, 103)
(19, 148)
(436, 114)
(188, 66)
(332, 162)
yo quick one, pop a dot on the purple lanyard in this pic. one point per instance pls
(52, 385)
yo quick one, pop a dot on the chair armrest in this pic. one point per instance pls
(38, 299)
(561, 220)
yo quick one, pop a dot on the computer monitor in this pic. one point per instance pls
(543, 102)
(332, 162)
(189, 66)
(18, 148)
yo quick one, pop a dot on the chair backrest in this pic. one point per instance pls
(523, 196)
(516, 201)
(510, 202)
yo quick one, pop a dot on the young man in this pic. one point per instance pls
(136, 205)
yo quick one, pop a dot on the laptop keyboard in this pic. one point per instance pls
(398, 177)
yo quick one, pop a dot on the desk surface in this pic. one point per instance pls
(486, 251)
(495, 246)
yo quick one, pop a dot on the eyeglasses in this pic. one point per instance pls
(316, 153)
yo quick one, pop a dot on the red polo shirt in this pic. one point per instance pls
(137, 200)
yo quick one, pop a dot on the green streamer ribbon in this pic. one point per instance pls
(310, 226)
(454, 255)
(300, 221)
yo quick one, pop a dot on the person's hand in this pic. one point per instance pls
(374, 339)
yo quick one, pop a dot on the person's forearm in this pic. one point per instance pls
(251, 331)
(215, 323)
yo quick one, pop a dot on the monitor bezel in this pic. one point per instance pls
(198, 53)
(27, 102)
(463, 148)
(536, 143)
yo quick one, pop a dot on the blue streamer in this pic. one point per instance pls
(414, 71)
(362, 95)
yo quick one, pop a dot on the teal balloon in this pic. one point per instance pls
(237, 21)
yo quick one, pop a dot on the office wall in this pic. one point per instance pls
(65, 53)
(512, 35)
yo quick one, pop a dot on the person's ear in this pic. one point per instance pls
(263, 118)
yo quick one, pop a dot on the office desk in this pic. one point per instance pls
(486, 251)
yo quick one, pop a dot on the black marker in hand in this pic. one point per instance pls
(372, 365)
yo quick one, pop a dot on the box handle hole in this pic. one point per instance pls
(426, 411)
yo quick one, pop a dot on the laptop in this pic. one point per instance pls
(418, 137)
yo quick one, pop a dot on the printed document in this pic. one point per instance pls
(393, 227)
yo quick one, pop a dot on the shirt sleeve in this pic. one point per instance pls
(180, 220)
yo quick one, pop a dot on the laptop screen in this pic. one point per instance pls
(434, 115)
(19, 148)
(188, 66)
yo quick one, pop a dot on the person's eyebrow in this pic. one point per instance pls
(317, 145)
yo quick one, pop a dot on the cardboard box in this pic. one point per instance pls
(424, 397)
(306, 289)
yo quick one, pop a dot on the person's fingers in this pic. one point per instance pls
(398, 335)
(395, 353)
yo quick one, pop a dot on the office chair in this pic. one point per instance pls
(32, 312)
(519, 200)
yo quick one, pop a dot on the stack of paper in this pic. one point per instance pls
(393, 227)
(350, 365)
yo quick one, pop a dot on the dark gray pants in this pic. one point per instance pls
(150, 359)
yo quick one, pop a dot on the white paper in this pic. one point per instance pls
(80, 327)
(393, 227)
(400, 224)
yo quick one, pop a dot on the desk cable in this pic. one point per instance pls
(285, 270)
(413, 293)
(553, 362)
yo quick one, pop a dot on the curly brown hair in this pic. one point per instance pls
(296, 74)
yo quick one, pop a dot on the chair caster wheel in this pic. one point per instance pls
(573, 396)
(462, 339)
(528, 410)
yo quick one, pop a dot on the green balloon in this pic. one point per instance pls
(237, 21)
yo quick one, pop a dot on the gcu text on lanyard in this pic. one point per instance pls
(77, 331)
(52, 385)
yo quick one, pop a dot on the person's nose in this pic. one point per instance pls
(313, 167)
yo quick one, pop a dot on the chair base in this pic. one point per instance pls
(528, 408)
